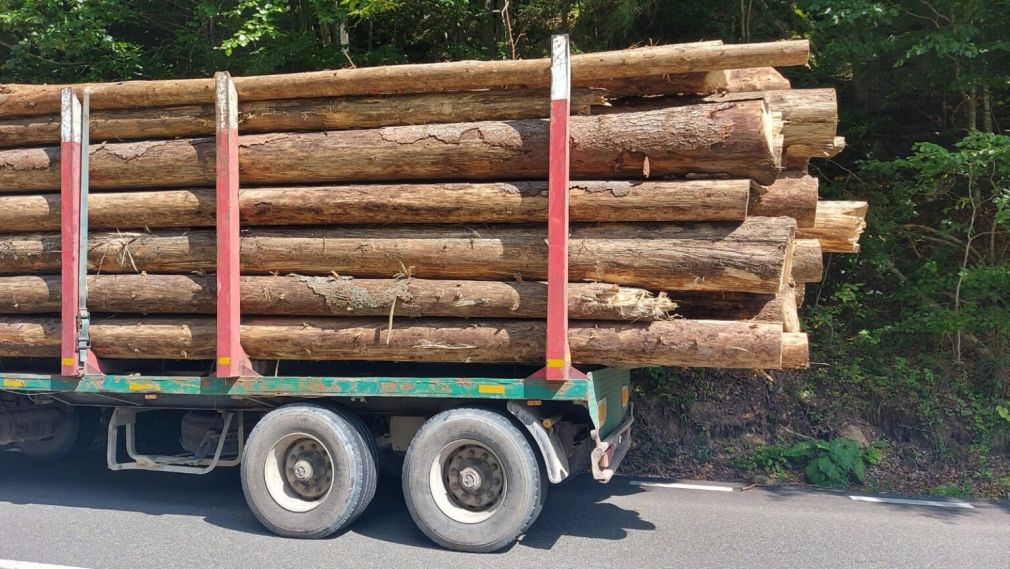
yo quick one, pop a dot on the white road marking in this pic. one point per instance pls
(11, 564)
(909, 502)
(682, 486)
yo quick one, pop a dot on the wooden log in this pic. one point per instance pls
(701, 82)
(809, 116)
(794, 194)
(779, 307)
(755, 79)
(746, 257)
(838, 225)
(692, 343)
(795, 351)
(735, 139)
(295, 295)
(520, 202)
(29, 100)
(293, 115)
(808, 261)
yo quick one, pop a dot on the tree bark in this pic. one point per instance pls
(808, 261)
(31, 100)
(293, 115)
(691, 343)
(700, 82)
(521, 202)
(745, 257)
(755, 79)
(294, 295)
(734, 139)
(838, 226)
(794, 195)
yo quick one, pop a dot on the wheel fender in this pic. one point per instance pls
(547, 441)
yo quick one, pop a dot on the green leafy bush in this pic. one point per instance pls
(834, 464)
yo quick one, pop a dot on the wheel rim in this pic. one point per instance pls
(468, 481)
(299, 472)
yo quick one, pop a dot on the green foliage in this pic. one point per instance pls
(834, 464)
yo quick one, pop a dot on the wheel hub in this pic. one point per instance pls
(308, 469)
(474, 478)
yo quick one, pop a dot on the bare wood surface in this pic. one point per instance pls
(755, 79)
(795, 350)
(29, 100)
(746, 257)
(838, 225)
(738, 305)
(694, 343)
(808, 261)
(734, 139)
(675, 200)
(793, 194)
(298, 295)
(293, 115)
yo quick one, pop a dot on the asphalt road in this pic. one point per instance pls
(78, 514)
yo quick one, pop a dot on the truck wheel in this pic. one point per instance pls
(75, 434)
(307, 471)
(471, 480)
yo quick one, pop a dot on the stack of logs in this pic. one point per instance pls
(399, 213)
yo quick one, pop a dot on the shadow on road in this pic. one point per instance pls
(575, 509)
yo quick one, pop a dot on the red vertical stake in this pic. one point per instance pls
(232, 360)
(70, 233)
(559, 359)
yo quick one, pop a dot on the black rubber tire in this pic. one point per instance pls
(354, 478)
(78, 432)
(524, 497)
(368, 439)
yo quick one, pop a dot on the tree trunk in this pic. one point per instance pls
(294, 295)
(838, 226)
(808, 261)
(794, 195)
(292, 115)
(746, 257)
(690, 343)
(682, 200)
(700, 82)
(31, 100)
(734, 139)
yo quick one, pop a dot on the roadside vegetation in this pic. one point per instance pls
(911, 338)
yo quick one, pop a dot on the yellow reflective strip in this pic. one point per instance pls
(625, 396)
(601, 411)
(491, 389)
(555, 363)
(224, 360)
(137, 386)
(68, 361)
(13, 383)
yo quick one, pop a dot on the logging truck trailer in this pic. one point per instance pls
(478, 451)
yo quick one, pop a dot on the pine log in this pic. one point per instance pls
(779, 307)
(692, 343)
(29, 100)
(746, 257)
(808, 261)
(700, 82)
(837, 226)
(521, 202)
(794, 194)
(735, 139)
(801, 293)
(295, 295)
(795, 351)
(293, 115)
(755, 79)
(809, 116)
